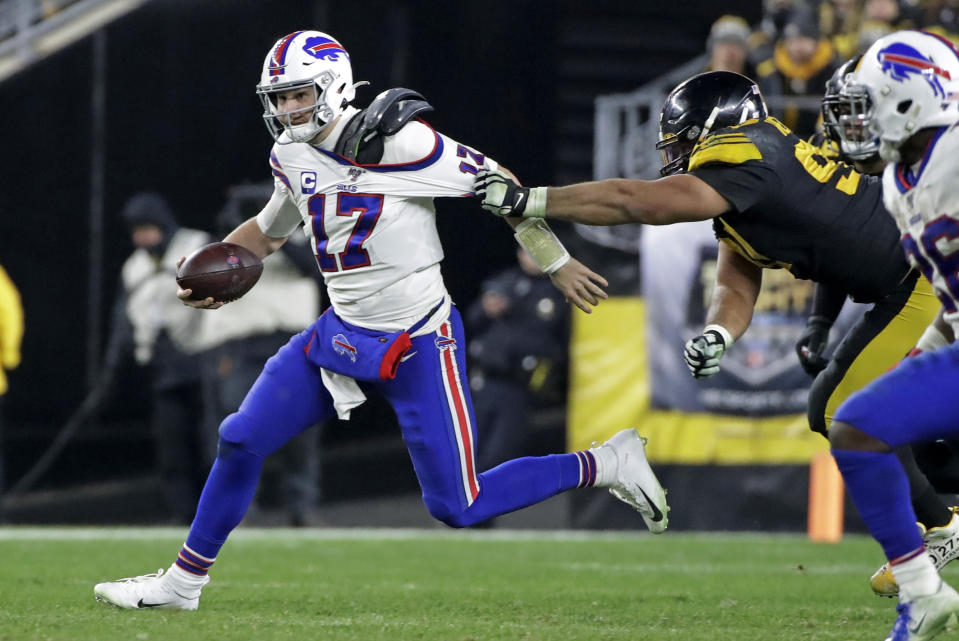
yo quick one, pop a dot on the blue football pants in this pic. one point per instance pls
(432, 402)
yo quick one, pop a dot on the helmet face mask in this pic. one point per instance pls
(676, 150)
(844, 109)
(305, 60)
(857, 140)
(910, 80)
(699, 106)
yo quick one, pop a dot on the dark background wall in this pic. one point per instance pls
(512, 78)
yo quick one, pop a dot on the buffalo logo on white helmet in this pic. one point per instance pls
(324, 48)
(910, 79)
(899, 60)
(305, 60)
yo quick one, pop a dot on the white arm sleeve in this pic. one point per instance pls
(279, 217)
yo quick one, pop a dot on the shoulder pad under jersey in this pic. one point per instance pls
(362, 139)
(726, 146)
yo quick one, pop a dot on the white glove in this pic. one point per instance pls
(704, 351)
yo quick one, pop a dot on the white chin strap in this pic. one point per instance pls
(302, 133)
(308, 130)
(889, 152)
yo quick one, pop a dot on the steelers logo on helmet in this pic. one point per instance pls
(305, 60)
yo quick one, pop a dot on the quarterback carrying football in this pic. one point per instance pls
(362, 183)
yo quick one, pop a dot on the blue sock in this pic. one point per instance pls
(524, 481)
(878, 486)
(225, 499)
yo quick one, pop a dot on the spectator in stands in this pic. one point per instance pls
(11, 333)
(520, 334)
(840, 20)
(837, 17)
(941, 17)
(728, 46)
(164, 335)
(793, 78)
(869, 32)
(244, 334)
(764, 38)
(896, 15)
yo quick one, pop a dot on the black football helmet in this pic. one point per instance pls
(842, 107)
(700, 105)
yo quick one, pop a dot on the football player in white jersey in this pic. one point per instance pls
(362, 183)
(910, 87)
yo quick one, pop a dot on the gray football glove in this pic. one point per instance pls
(504, 197)
(500, 193)
(704, 351)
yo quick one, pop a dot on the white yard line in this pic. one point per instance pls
(58, 533)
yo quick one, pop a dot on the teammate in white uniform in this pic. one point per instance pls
(911, 84)
(363, 184)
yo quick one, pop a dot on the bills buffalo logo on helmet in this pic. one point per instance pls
(899, 60)
(343, 347)
(323, 48)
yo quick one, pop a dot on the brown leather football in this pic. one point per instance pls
(222, 271)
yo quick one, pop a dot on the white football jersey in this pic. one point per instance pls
(924, 200)
(373, 227)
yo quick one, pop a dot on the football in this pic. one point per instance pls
(222, 271)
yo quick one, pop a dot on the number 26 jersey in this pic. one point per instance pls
(924, 201)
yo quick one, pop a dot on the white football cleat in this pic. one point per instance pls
(634, 482)
(942, 546)
(925, 617)
(149, 591)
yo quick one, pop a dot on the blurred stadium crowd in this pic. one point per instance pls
(799, 43)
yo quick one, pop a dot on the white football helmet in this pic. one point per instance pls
(306, 59)
(910, 81)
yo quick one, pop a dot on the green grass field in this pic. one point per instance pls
(455, 586)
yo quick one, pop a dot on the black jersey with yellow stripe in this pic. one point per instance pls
(825, 147)
(793, 208)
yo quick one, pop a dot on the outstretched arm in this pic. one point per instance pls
(579, 285)
(674, 199)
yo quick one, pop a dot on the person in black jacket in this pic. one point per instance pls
(519, 330)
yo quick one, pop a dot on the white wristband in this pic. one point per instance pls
(539, 241)
(931, 339)
(536, 205)
(722, 331)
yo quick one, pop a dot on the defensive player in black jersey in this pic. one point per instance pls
(775, 202)
(863, 154)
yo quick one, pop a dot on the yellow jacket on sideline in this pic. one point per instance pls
(11, 327)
